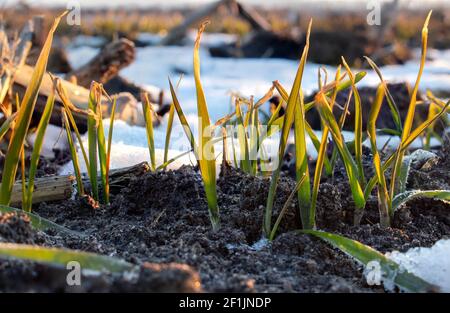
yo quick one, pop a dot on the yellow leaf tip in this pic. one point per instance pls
(427, 21)
(200, 31)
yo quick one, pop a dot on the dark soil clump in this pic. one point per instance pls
(17, 229)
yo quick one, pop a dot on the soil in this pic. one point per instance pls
(160, 223)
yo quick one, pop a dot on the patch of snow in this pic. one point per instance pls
(420, 156)
(81, 55)
(132, 275)
(87, 41)
(211, 40)
(260, 244)
(54, 138)
(256, 246)
(90, 273)
(149, 38)
(129, 147)
(431, 264)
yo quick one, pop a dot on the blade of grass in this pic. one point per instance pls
(183, 120)
(301, 166)
(433, 109)
(102, 150)
(323, 146)
(108, 152)
(321, 155)
(342, 118)
(383, 194)
(24, 118)
(7, 125)
(279, 123)
(206, 162)
(242, 140)
(287, 124)
(413, 136)
(249, 113)
(358, 125)
(422, 127)
(42, 127)
(254, 140)
(61, 257)
(169, 126)
(350, 166)
(275, 114)
(92, 126)
(23, 176)
(390, 100)
(411, 112)
(148, 117)
(22, 157)
(434, 99)
(236, 165)
(68, 106)
(389, 131)
(330, 88)
(170, 161)
(224, 146)
(285, 207)
(404, 173)
(265, 98)
(73, 153)
(406, 196)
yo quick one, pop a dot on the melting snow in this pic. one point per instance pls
(431, 264)
(129, 147)
(260, 244)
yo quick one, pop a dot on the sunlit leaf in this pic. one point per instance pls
(407, 125)
(61, 257)
(414, 194)
(289, 116)
(23, 119)
(350, 166)
(42, 127)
